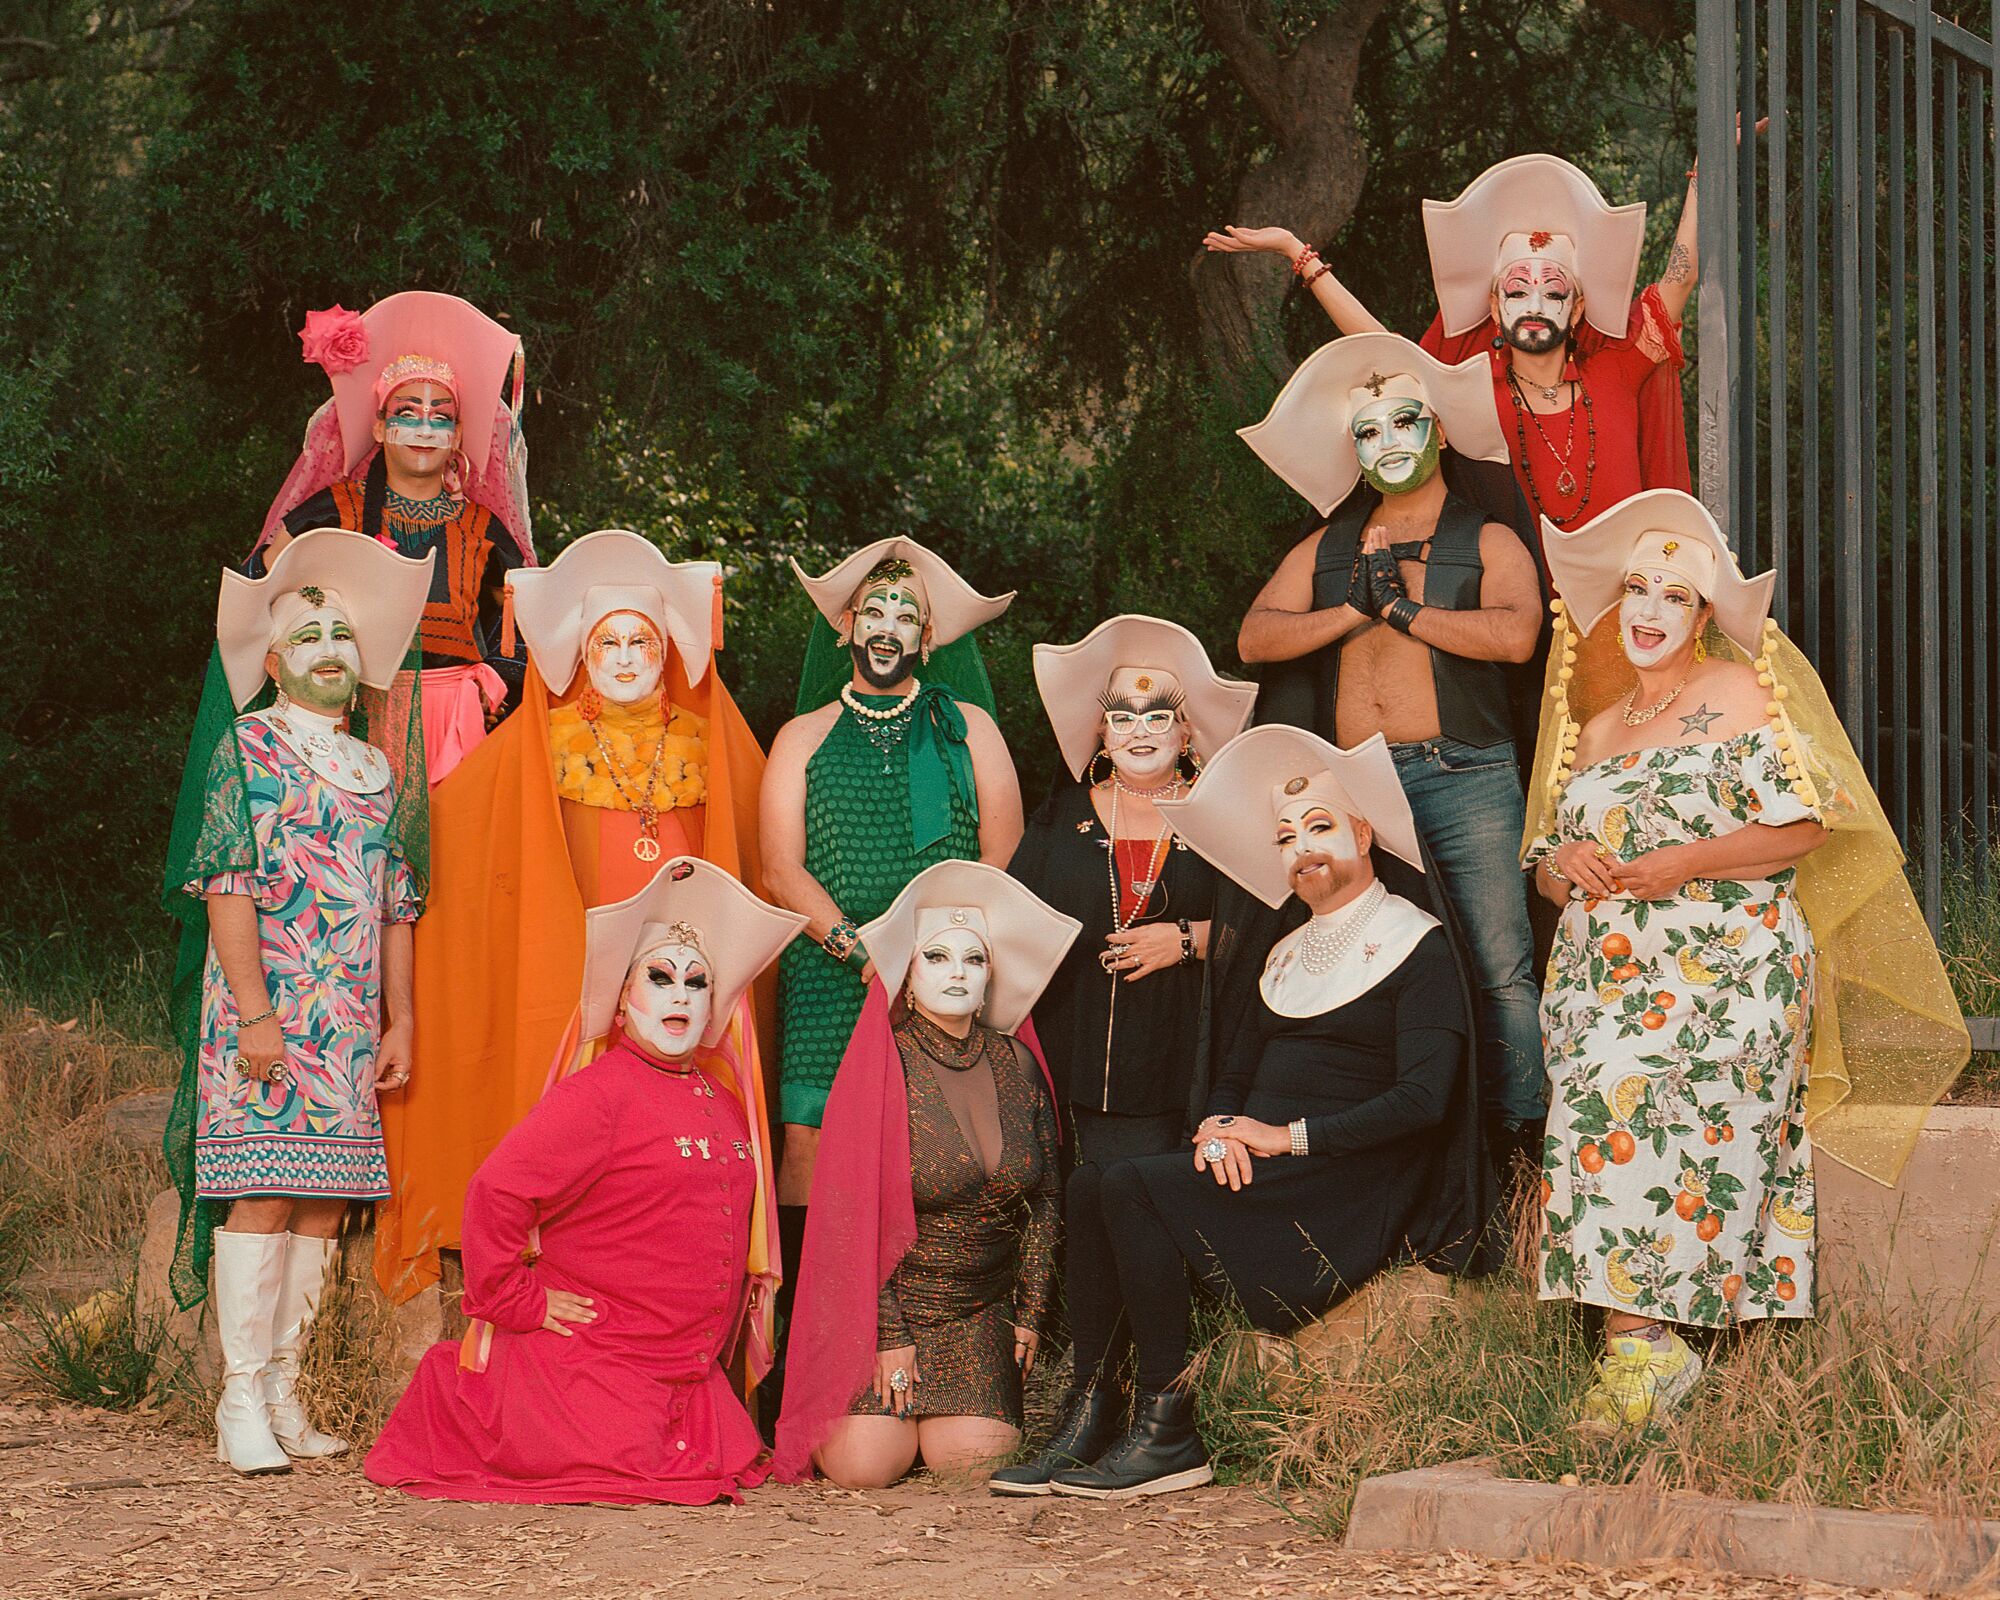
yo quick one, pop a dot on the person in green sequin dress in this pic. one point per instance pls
(891, 774)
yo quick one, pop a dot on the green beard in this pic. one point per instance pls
(329, 700)
(1427, 463)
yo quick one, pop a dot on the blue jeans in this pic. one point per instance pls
(1468, 807)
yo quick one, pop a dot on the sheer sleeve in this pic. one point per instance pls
(892, 1332)
(1430, 1040)
(226, 858)
(1036, 1274)
(548, 1160)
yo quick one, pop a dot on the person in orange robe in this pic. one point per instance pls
(572, 802)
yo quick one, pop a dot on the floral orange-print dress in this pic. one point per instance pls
(325, 877)
(1677, 1174)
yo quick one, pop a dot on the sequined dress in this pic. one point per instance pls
(858, 846)
(984, 1257)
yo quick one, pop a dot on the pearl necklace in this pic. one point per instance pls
(883, 726)
(1638, 719)
(1170, 790)
(1322, 947)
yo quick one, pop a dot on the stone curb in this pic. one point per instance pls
(1464, 1507)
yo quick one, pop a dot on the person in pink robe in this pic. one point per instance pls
(617, 1240)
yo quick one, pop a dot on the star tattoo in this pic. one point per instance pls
(1699, 721)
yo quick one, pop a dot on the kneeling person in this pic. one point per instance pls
(606, 1237)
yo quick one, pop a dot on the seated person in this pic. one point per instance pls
(607, 1236)
(1342, 1134)
(930, 1241)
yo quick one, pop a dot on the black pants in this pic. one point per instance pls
(1149, 1276)
(1090, 1277)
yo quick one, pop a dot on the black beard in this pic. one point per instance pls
(878, 677)
(1538, 341)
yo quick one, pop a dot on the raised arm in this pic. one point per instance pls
(1335, 298)
(1281, 624)
(1684, 259)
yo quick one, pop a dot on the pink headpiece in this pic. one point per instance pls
(413, 369)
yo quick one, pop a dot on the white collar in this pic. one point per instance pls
(327, 748)
(1394, 929)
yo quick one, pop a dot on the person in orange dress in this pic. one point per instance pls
(627, 751)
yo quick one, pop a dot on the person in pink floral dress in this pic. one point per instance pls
(310, 895)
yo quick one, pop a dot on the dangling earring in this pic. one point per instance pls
(1194, 760)
(1499, 343)
(283, 702)
(590, 704)
(1090, 772)
(1700, 648)
(924, 650)
(1621, 640)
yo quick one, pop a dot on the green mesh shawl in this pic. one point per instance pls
(957, 666)
(212, 833)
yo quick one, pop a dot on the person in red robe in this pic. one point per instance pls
(1536, 271)
(608, 1238)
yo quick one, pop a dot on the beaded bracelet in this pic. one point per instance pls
(1306, 258)
(1298, 1132)
(1187, 942)
(1324, 269)
(841, 939)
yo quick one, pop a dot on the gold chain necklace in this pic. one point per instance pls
(1638, 719)
(647, 846)
(1143, 887)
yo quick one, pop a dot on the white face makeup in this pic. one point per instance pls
(418, 428)
(1396, 442)
(949, 973)
(624, 658)
(1537, 300)
(319, 664)
(1144, 737)
(668, 1001)
(888, 632)
(1319, 847)
(1656, 615)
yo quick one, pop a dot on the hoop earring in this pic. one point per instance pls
(590, 704)
(1090, 772)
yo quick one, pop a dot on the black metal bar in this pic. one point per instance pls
(1899, 431)
(1715, 123)
(1870, 731)
(1951, 469)
(1945, 35)
(1929, 664)
(1979, 668)
(1809, 638)
(1847, 656)
(1777, 275)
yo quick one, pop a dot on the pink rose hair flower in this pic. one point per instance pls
(336, 339)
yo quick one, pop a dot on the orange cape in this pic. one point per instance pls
(499, 967)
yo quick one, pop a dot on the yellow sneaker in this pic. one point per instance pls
(1637, 1380)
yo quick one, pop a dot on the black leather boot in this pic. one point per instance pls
(1091, 1422)
(1159, 1453)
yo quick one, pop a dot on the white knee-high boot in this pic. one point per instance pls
(249, 1271)
(306, 1261)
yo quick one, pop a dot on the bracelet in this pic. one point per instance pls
(1187, 942)
(262, 1016)
(856, 959)
(1401, 613)
(1555, 871)
(1298, 1132)
(841, 939)
(1323, 270)
(1306, 257)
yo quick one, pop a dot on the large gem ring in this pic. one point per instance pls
(1214, 1150)
(899, 1380)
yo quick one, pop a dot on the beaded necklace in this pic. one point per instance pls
(647, 846)
(1321, 948)
(1565, 480)
(884, 726)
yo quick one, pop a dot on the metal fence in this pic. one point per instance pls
(1849, 386)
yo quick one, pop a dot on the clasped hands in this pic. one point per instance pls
(1241, 1138)
(1594, 869)
(1376, 581)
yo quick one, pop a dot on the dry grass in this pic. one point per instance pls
(1867, 1407)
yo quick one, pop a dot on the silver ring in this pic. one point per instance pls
(1214, 1150)
(899, 1380)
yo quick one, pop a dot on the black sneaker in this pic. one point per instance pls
(1091, 1422)
(1159, 1453)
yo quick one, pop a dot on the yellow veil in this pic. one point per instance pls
(1887, 1034)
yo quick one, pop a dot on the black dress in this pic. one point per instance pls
(1380, 1081)
(1113, 1047)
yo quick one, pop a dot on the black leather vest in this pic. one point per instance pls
(1472, 696)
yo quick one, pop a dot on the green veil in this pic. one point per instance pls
(213, 833)
(957, 666)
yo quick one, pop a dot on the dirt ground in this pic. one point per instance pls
(96, 1506)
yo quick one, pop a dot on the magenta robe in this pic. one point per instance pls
(640, 1181)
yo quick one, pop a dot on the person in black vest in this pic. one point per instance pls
(1416, 608)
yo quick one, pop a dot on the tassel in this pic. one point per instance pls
(715, 616)
(507, 619)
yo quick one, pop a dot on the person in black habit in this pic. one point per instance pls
(1343, 1133)
(1136, 707)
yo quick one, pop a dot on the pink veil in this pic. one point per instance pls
(861, 1221)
